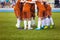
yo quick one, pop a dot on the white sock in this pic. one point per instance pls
(29, 24)
(32, 22)
(18, 23)
(39, 22)
(43, 23)
(47, 21)
(51, 20)
(25, 24)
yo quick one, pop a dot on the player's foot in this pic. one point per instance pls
(16, 25)
(38, 29)
(52, 26)
(45, 27)
(42, 27)
(25, 28)
(19, 28)
(30, 28)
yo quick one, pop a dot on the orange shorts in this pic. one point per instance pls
(42, 14)
(18, 11)
(26, 11)
(49, 10)
(49, 13)
(32, 8)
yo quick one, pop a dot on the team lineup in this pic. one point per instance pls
(25, 11)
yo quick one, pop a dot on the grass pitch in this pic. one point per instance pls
(8, 30)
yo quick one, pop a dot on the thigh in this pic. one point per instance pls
(17, 13)
(28, 15)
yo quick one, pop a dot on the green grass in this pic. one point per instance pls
(8, 30)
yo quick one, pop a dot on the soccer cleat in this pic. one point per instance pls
(25, 28)
(52, 26)
(30, 28)
(42, 27)
(45, 27)
(16, 25)
(19, 28)
(38, 29)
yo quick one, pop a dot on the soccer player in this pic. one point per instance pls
(45, 21)
(27, 15)
(49, 20)
(32, 8)
(18, 13)
(41, 13)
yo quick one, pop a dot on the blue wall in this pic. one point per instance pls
(11, 10)
(6, 11)
(56, 10)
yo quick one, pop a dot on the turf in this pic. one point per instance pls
(8, 30)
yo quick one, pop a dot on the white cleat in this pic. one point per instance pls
(17, 26)
(30, 28)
